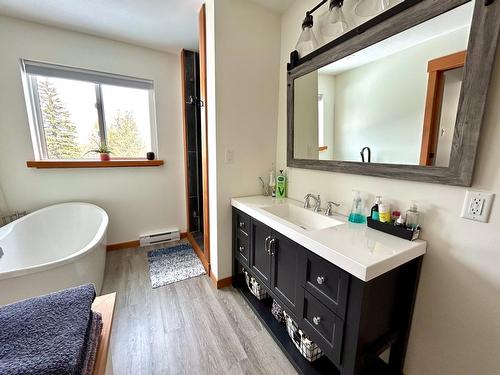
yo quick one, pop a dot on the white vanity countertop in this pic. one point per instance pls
(363, 252)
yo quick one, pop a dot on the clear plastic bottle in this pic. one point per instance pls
(412, 216)
(356, 215)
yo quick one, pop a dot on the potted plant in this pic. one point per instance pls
(103, 150)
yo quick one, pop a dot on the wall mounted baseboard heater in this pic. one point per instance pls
(154, 238)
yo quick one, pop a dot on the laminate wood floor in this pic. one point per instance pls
(187, 327)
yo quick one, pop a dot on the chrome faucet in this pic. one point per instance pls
(317, 202)
(330, 207)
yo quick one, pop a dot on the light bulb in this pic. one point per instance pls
(332, 23)
(368, 8)
(307, 40)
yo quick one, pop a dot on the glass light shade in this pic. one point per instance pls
(368, 8)
(332, 24)
(307, 42)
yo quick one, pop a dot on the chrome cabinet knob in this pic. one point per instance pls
(320, 280)
(317, 320)
(242, 224)
(242, 248)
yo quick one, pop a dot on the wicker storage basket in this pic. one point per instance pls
(278, 312)
(257, 290)
(304, 344)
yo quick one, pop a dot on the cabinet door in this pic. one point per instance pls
(260, 260)
(285, 270)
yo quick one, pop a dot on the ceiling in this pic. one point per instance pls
(166, 25)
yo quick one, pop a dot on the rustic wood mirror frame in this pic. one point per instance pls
(481, 50)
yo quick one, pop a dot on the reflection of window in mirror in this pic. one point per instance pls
(322, 147)
(443, 93)
(326, 115)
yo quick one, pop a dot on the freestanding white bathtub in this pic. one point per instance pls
(57, 247)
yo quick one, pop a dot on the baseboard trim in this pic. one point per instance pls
(198, 252)
(130, 244)
(222, 283)
(123, 245)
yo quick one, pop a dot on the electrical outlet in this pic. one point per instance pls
(477, 206)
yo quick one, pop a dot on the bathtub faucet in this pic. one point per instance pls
(1, 252)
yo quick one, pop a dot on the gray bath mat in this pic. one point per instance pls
(174, 263)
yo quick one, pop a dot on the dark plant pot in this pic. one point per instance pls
(104, 156)
(150, 156)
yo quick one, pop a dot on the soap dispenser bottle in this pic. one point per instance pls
(281, 185)
(375, 211)
(272, 183)
(412, 216)
(356, 215)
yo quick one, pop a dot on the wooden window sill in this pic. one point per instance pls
(45, 164)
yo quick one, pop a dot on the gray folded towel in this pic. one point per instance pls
(92, 343)
(47, 334)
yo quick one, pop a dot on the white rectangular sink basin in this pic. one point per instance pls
(302, 217)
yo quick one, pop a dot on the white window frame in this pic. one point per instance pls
(31, 69)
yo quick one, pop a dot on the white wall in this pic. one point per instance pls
(3, 204)
(456, 325)
(243, 43)
(137, 199)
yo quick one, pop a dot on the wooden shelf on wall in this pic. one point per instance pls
(45, 164)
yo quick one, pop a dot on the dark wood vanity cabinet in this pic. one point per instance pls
(352, 321)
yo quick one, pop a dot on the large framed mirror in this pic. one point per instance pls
(401, 96)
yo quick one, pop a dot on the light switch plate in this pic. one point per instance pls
(477, 206)
(229, 156)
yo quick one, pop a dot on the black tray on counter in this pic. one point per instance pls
(401, 232)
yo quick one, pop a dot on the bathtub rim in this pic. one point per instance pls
(92, 245)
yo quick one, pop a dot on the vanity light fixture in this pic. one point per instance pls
(333, 23)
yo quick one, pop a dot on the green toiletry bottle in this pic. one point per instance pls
(281, 185)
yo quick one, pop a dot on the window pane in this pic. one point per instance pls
(126, 113)
(69, 117)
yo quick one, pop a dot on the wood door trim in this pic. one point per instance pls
(204, 131)
(434, 99)
(448, 62)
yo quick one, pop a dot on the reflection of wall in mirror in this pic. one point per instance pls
(451, 94)
(381, 104)
(306, 117)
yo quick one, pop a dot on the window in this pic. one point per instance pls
(74, 111)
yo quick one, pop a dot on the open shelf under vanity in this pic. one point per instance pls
(277, 330)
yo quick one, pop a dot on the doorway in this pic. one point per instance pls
(194, 93)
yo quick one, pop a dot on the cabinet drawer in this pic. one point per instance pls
(242, 249)
(322, 325)
(242, 223)
(326, 282)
